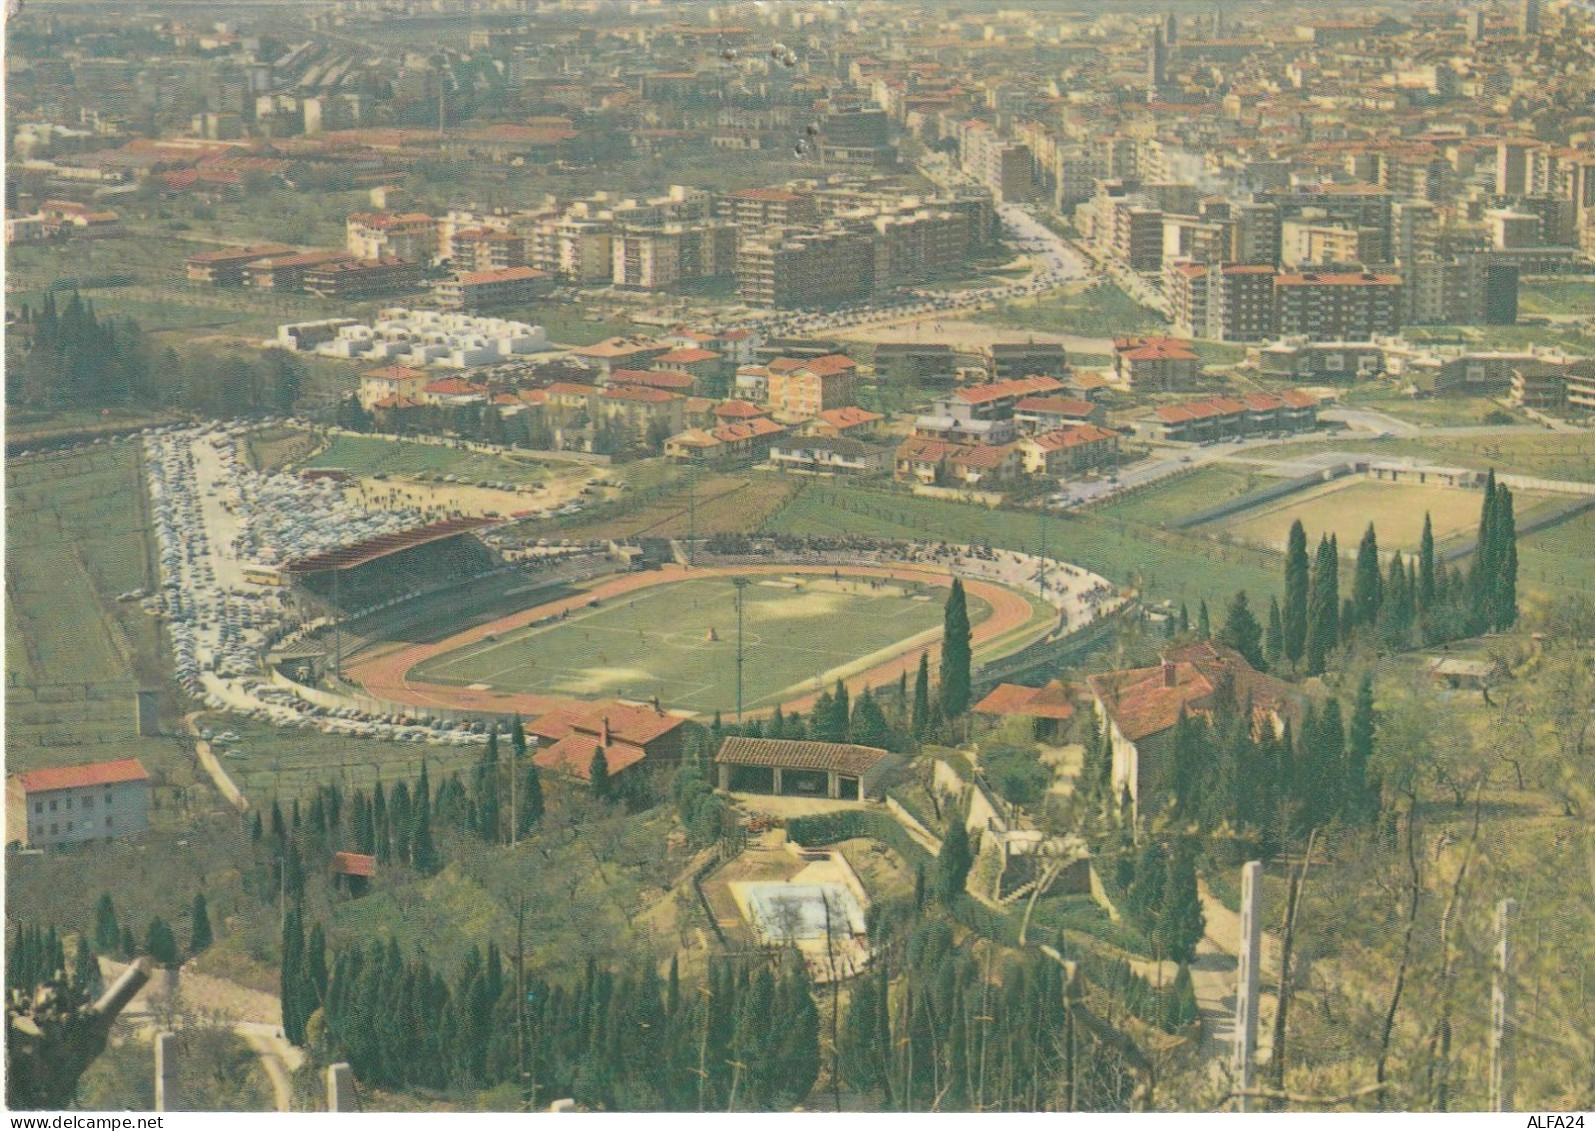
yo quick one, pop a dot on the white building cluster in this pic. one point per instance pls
(417, 338)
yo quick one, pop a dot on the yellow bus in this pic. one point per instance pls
(263, 575)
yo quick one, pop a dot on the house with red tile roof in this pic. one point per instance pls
(847, 421)
(62, 805)
(630, 736)
(391, 381)
(1069, 451)
(1049, 707)
(1155, 363)
(1139, 708)
(1047, 413)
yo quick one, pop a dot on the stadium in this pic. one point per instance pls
(435, 621)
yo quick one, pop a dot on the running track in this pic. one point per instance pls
(385, 674)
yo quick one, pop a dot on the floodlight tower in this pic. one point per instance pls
(741, 584)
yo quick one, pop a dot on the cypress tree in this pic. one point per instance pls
(423, 852)
(868, 726)
(1367, 592)
(1484, 568)
(1323, 629)
(531, 798)
(1504, 591)
(953, 861)
(129, 947)
(1185, 619)
(1361, 804)
(1297, 583)
(955, 656)
(598, 775)
(1204, 626)
(1180, 921)
(107, 935)
(1242, 632)
(86, 970)
(1328, 754)
(1274, 637)
(921, 717)
(160, 943)
(199, 934)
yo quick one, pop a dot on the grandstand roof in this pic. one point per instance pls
(370, 549)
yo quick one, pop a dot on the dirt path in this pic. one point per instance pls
(386, 676)
(254, 1016)
(218, 775)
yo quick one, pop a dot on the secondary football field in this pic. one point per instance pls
(679, 641)
(1346, 507)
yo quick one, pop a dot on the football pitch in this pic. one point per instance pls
(679, 641)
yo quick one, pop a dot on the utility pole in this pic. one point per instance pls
(520, 995)
(1246, 979)
(741, 584)
(1503, 1052)
(692, 514)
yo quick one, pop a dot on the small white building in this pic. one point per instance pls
(73, 804)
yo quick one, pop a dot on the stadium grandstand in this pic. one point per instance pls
(374, 571)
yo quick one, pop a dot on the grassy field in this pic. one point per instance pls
(1102, 311)
(1435, 412)
(1552, 455)
(658, 642)
(1345, 509)
(1559, 558)
(1557, 296)
(76, 537)
(658, 505)
(269, 761)
(373, 455)
(1166, 564)
(1182, 495)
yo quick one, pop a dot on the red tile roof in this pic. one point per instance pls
(850, 416)
(82, 777)
(686, 357)
(738, 410)
(1141, 703)
(653, 378)
(1057, 406)
(354, 864)
(573, 756)
(502, 275)
(640, 394)
(1049, 702)
(1013, 387)
(793, 754)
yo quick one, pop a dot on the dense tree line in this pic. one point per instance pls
(1414, 600)
(67, 355)
(746, 1038)
(939, 1025)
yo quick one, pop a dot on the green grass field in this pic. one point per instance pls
(1559, 558)
(1167, 564)
(76, 537)
(1092, 312)
(1345, 509)
(369, 455)
(1557, 296)
(657, 642)
(1184, 494)
(1553, 455)
(1436, 412)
